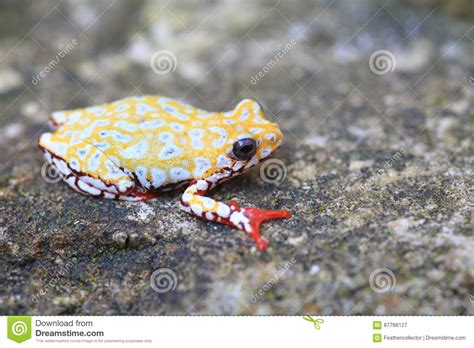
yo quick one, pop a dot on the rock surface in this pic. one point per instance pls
(377, 165)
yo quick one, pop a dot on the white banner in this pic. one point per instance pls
(239, 331)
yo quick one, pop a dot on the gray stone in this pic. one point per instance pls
(379, 166)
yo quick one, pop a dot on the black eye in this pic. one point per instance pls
(244, 149)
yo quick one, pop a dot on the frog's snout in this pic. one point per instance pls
(272, 139)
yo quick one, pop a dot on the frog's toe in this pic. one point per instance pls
(57, 119)
(259, 215)
(256, 217)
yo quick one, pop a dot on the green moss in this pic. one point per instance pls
(269, 295)
(4, 180)
(439, 101)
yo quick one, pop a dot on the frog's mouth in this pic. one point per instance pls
(237, 168)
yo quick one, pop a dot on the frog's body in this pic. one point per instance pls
(136, 147)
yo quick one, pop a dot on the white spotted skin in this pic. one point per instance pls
(202, 185)
(151, 143)
(239, 219)
(223, 210)
(134, 148)
(158, 177)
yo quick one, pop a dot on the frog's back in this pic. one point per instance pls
(134, 110)
(157, 140)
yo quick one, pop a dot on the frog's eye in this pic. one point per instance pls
(244, 149)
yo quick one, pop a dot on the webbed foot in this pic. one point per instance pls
(256, 217)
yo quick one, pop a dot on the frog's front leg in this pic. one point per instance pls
(195, 202)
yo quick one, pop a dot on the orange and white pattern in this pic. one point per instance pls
(136, 147)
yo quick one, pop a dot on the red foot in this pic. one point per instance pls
(256, 217)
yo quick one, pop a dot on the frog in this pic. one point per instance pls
(139, 147)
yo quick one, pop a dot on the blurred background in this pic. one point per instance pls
(374, 99)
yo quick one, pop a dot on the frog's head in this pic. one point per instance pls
(250, 138)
